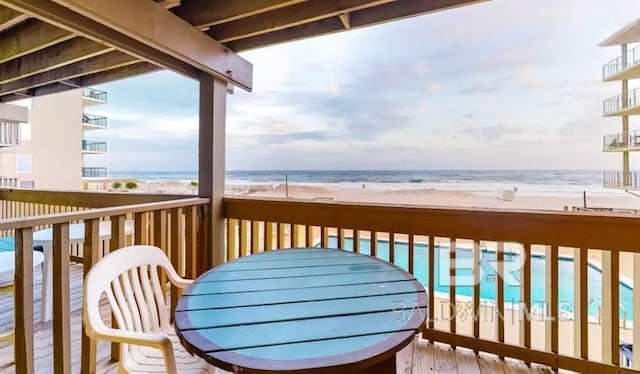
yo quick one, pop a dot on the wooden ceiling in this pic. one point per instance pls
(37, 58)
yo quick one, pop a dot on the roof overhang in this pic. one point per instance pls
(48, 46)
(626, 35)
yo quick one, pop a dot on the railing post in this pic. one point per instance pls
(90, 254)
(177, 242)
(581, 303)
(610, 307)
(61, 300)
(23, 294)
(116, 242)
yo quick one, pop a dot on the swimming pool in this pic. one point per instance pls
(487, 283)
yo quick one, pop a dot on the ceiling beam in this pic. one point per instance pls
(147, 23)
(364, 17)
(294, 15)
(404, 9)
(204, 13)
(346, 20)
(136, 69)
(9, 18)
(92, 65)
(65, 53)
(29, 37)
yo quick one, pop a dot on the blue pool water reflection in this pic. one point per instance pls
(487, 283)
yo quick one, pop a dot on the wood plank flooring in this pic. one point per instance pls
(420, 357)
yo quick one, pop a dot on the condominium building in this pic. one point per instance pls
(59, 124)
(624, 70)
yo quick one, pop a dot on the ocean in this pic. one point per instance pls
(526, 182)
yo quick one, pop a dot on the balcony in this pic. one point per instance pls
(9, 133)
(94, 172)
(92, 96)
(622, 105)
(626, 66)
(621, 143)
(6, 182)
(93, 122)
(622, 180)
(93, 147)
(419, 239)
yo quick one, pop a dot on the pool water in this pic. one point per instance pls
(487, 280)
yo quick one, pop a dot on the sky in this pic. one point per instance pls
(505, 84)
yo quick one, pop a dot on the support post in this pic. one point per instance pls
(213, 98)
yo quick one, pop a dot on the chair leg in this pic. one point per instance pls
(8, 337)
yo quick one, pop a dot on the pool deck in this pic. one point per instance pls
(419, 358)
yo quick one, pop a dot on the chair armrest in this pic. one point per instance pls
(177, 280)
(158, 341)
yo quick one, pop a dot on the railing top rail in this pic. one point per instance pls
(85, 199)
(92, 116)
(50, 219)
(595, 230)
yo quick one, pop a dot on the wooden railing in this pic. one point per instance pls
(172, 225)
(441, 236)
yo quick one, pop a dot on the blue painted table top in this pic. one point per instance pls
(300, 310)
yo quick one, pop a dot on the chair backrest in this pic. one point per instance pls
(129, 277)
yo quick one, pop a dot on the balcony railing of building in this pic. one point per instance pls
(93, 120)
(7, 182)
(620, 141)
(95, 94)
(617, 103)
(621, 63)
(94, 146)
(94, 172)
(420, 239)
(9, 133)
(620, 179)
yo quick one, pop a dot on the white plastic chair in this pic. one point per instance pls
(148, 343)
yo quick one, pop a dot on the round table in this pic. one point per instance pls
(306, 310)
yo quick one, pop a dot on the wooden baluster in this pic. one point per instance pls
(356, 241)
(23, 301)
(341, 239)
(191, 241)
(525, 304)
(204, 242)
(268, 236)
(392, 245)
(410, 251)
(610, 307)
(324, 237)
(177, 242)
(61, 300)
(232, 232)
(432, 275)
(452, 285)
(500, 293)
(309, 236)
(636, 309)
(291, 234)
(374, 243)
(117, 241)
(281, 235)
(295, 236)
(476, 289)
(255, 237)
(140, 228)
(551, 294)
(244, 237)
(581, 302)
(160, 235)
(90, 254)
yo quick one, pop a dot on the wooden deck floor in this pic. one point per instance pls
(419, 358)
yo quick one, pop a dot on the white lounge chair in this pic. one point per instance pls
(7, 275)
(129, 279)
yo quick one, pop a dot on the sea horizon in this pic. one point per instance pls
(550, 182)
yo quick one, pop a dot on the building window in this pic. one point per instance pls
(25, 131)
(27, 184)
(24, 163)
